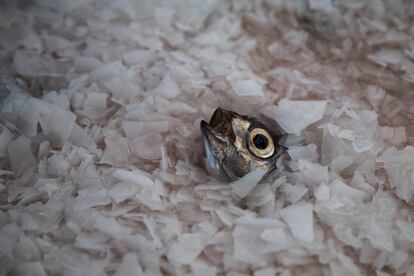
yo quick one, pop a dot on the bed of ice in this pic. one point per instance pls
(100, 170)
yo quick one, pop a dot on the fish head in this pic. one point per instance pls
(236, 144)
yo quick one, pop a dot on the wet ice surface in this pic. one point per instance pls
(101, 174)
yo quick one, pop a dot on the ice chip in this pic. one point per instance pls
(88, 199)
(123, 191)
(246, 184)
(203, 269)
(31, 268)
(399, 165)
(129, 266)
(346, 194)
(293, 193)
(294, 116)
(187, 248)
(136, 176)
(147, 146)
(133, 129)
(299, 217)
(57, 125)
(313, 173)
(5, 138)
(107, 71)
(20, 154)
(379, 233)
(167, 88)
(407, 229)
(308, 152)
(322, 192)
(247, 88)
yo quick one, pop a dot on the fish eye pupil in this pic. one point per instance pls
(260, 141)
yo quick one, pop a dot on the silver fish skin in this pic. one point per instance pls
(235, 144)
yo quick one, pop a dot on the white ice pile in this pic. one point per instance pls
(101, 160)
(294, 116)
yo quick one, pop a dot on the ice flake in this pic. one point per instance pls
(246, 184)
(129, 266)
(248, 247)
(20, 154)
(299, 217)
(95, 105)
(259, 222)
(80, 137)
(322, 192)
(407, 229)
(88, 199)
(308, 152)
(348, 264)
(28, 222)
(341, 133)
(186, 249)
(260, 196)
(276, 236)
(203, 269)
(86, 64)
(152, 228)
(137, 57)
(57, 165)
(31, 268)
(313, 173)
(32, 41)
(5, 138)
(167, 88)
(293, 193)
(95, 241)
(106, 71)
(362, 144)
(116, 152)
(268, 271)
(122, 191)
(358, 181)
(147, 146)
(394, 135)
(27, 249)
(375, 95)
(57, 125)
(398, 258)
(29, 114)
(136, 176)
(294, 116)
(56, 43)
(379, 233)
(36, 66)
(226, 217)
(247, 88)
(399, 165)
(138, 242)
(133, 129)
(6, 246)
(111, 227)
(346, 194)
(321, 5)
(386, 57)
(347, 234)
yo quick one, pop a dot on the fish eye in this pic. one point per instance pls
(261, 143)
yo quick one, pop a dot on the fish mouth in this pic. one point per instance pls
(218, 132)
(220, 123)
(220, 116)
(216, 141)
